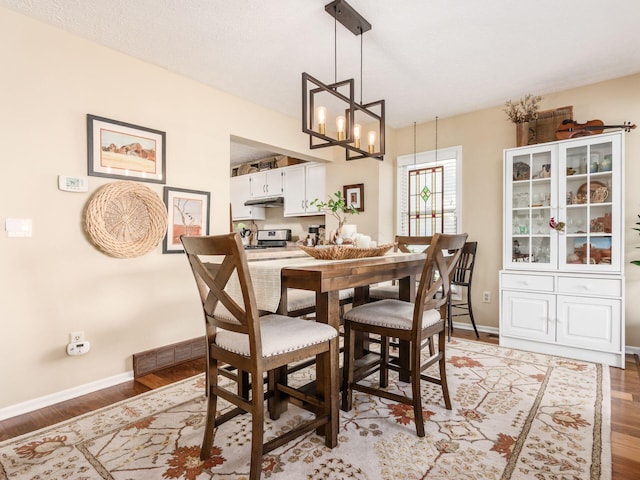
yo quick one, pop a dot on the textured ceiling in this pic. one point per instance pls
(426, 58)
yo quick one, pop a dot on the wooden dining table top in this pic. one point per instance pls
(326, 276)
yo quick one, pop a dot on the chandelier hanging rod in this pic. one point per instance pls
(347, 16)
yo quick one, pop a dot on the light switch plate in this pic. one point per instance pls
(19, 227)
(73, 184)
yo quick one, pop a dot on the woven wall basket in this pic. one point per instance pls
(126, 219)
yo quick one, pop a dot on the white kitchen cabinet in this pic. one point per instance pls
(562, 289)
(268, 183)
(302, 185)
(241, 192)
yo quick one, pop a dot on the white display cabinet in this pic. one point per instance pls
(562, 287)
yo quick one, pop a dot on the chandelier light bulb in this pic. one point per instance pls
(357, 128)
(321, 115)
(340, 123)
(372, 141)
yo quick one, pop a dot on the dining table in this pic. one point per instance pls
(273, 278)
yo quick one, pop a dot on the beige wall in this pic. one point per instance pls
(57, 282)
(484, 134)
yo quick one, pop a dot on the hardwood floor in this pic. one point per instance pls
(625, 407)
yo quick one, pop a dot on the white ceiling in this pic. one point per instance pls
(426, 58)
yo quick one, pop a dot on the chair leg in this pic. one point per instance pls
(347, 369)
(471, 312)
(449, 320)
(257, 432)
(276, 403)
(384, 360)
(244, 384)
(443, 370)
(331, 393)
(415, 389)
(212, 403)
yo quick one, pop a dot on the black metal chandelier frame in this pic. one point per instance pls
(312, 87)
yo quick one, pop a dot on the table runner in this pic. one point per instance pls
(266, 278)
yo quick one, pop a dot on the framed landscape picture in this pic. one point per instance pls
(125, 151)
(354, 195)
(187, 214)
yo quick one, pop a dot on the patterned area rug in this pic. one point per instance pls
(516, 415)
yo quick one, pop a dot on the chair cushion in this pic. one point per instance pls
(390, 313)
(299, 299)
(384, 290)
(280, 334)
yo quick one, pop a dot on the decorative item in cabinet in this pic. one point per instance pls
(598, 193)
(601, 224)
(521, 171)
(594, 250)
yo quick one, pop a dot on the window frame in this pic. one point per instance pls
(425, 160)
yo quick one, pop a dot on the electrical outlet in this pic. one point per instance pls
(486, 297)
(75, 337)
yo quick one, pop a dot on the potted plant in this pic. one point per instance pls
(521, 113)
(244, 232)
(336, 205)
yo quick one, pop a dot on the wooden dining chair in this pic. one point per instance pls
(462, 277)
(407, 244)
(259, 346)
(415, 323)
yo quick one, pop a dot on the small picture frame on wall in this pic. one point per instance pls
(187, 214)
(354, 195)
(125, 151)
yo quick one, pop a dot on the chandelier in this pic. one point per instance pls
(330, 115)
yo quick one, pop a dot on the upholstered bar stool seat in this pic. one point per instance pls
(305, 300)
(390, 313)
(280, 334)
(385, 290)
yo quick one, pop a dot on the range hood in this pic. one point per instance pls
(266, 202)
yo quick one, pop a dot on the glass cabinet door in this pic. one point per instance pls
(590, 201)
(530, 203)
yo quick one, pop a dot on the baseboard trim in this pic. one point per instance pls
(481, 328)
(47, 400)
(630, 349)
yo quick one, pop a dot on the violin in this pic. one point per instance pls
(571, 129)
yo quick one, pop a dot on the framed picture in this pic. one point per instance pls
(354, 195)
(125, 151)
(187, 214)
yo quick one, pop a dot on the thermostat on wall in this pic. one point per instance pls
(73, 184)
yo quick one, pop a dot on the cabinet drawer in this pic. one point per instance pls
(540, 283)
(609, 287)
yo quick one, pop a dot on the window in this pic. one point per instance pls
(429, 192)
